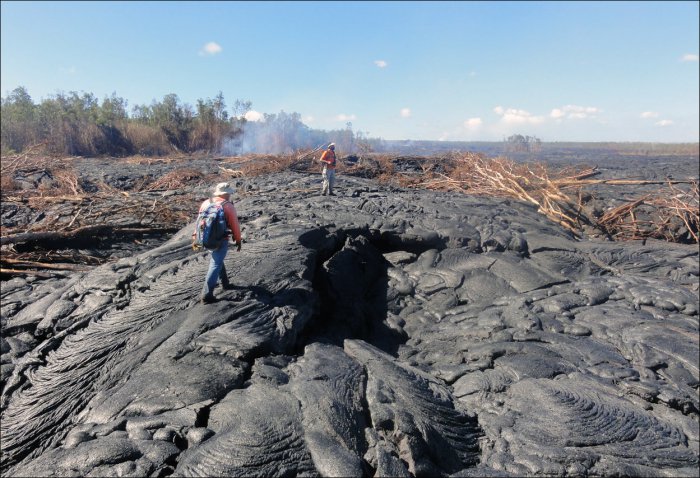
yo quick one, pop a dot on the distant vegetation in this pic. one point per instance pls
(78, 124)
(518, 143)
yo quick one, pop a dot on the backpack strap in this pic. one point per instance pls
(222, 204)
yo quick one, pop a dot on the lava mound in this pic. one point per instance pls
(381, 332)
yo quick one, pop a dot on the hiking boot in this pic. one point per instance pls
(331, 194)
(208, 299)
(228, 286)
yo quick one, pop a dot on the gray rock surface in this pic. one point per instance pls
(381, 332)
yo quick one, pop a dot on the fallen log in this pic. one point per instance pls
(45, 275)
(45, 265)
(616, 182)
(82, 233)
(586, 174)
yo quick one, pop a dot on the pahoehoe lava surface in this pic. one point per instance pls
(382, 332)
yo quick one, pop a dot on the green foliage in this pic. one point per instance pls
(174, 119)
(211, 124)
(79, 124)
(112, 112)
(17, 120)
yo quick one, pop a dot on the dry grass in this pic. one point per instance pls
(148, 140)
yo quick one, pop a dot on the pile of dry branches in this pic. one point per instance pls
(175, 180)
(499, 177)
(671, 214)
(265, 164)
(83, 221)
(31, 158)
(301, 161)
(251, 165)
(48, 263)
(557, 193)
(57, 209)
(57, 175)
(378, 166)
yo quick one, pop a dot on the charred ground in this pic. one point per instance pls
(393, 331)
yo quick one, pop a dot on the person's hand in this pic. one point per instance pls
(238, 246)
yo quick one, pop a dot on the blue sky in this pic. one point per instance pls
(467, 71)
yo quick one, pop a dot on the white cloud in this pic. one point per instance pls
(405, 112)
(253, 116)
(557, 113)
(211, 48)
(649, 114)
(308, 119)
(574, 112)
(690, 57)
(380, 63)
(664, 123)
(473, 123)
(344, 117)
(515, 116)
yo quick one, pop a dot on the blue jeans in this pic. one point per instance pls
(217, 270)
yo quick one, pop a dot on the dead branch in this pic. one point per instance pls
(83, 232)
(303, 155)
(668, 208)
(45, 265)
(616, 182)
(234, 173)
(23, 272)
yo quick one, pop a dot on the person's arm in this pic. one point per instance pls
(232, 222)
(324, 156)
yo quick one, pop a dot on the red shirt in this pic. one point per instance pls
(229, 214)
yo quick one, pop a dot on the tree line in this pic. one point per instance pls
(79, 124)
(517, 143)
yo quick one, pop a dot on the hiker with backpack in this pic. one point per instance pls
(217, 219)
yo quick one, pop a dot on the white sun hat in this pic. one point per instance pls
(224, 188)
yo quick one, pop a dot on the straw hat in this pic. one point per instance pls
(224, 188)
